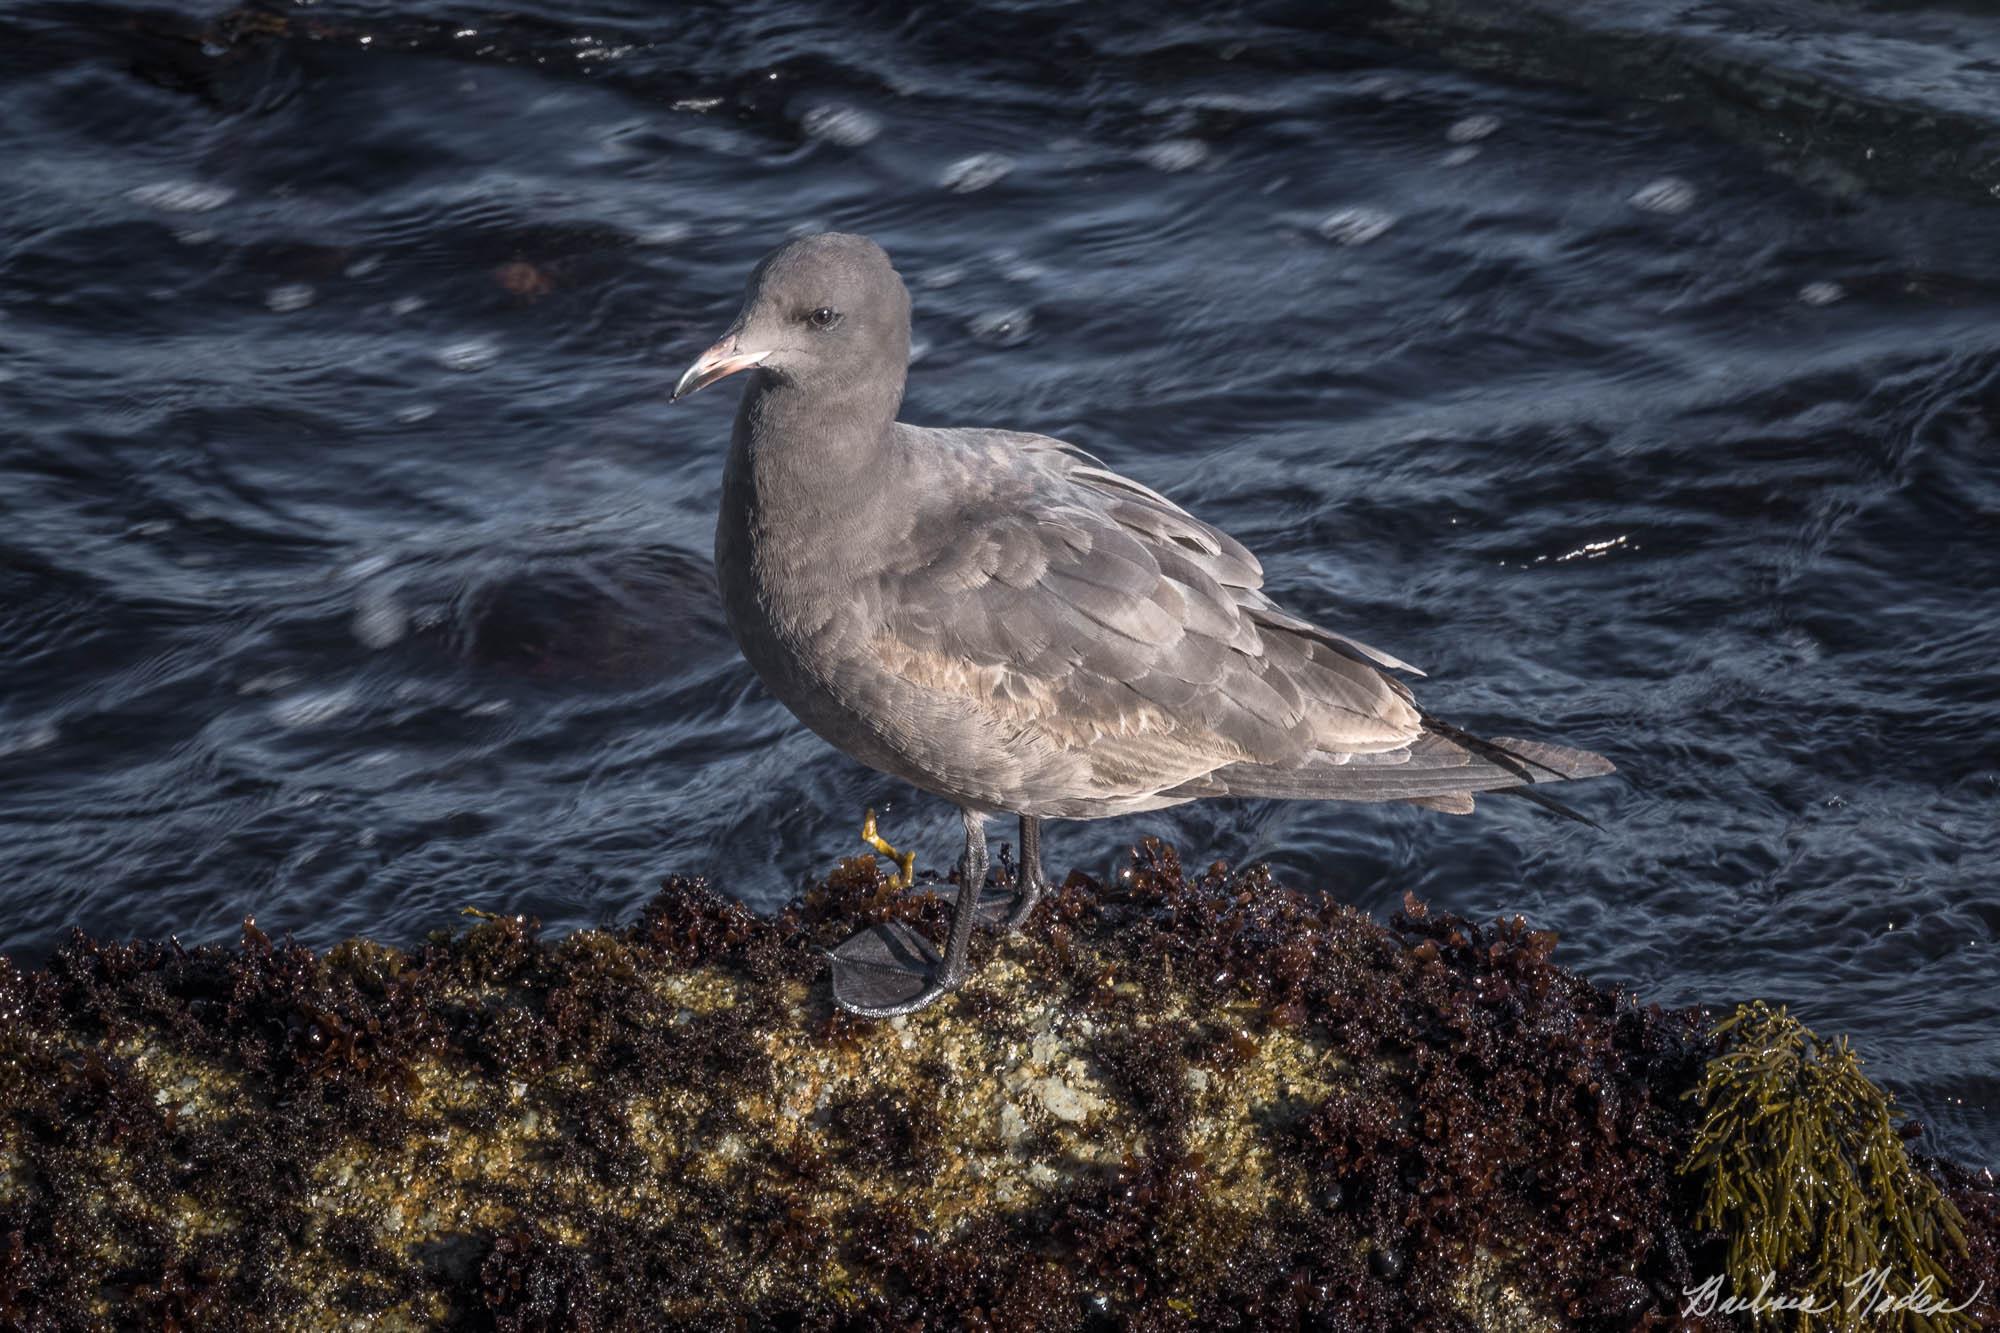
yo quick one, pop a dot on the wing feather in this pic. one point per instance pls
(1066, 602)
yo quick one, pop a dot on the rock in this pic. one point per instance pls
(1172, 1103)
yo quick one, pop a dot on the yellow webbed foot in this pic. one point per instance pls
(906, 862)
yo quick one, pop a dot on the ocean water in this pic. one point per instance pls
(354, 567)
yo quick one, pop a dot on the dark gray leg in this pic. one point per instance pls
(890, 969)
(1029, 886)
(971, 879)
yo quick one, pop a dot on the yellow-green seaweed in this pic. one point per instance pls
(1803, 1170)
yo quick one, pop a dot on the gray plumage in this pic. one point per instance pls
(1002, 620)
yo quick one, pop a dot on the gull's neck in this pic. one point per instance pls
(810, 483)
(815, 440)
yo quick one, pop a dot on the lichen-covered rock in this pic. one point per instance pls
(1203, 1103)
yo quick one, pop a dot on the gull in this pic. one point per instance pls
(1000, 619)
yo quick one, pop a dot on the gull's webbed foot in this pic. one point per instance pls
(887, 970)
(890, 968)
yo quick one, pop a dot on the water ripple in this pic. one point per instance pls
(354, 567)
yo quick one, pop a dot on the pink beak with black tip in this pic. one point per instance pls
(718, 362)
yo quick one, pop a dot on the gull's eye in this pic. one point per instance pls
(823, 318)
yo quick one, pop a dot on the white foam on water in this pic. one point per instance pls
(1175, 154)
(473, 354)
(976, 172)
(846, 126)
(292, 296)
(1016, 269)
(1472, 129)
(1002, 328)
(1668, 194)
(663, 233)
(379, 619)
(312, 708)
(1356, 226)
(27, 738)
(367, 567)
(269, 683)
(181, 196)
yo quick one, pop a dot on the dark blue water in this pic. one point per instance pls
(354, 568)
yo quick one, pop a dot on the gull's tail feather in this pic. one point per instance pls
(1550, 804)
(1442, 770)
(1537, 761)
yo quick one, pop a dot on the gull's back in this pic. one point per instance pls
(1046, 636)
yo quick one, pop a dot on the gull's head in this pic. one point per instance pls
(821, 312)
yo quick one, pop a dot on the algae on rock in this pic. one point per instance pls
(1173, 1101)
(1803, 1169)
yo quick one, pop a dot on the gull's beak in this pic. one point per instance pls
(722, 360)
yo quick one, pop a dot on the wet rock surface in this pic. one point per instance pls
(1175, 1100)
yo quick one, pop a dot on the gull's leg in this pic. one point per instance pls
(890, 969)
(906, 862)
(971, 879)
(1029, 884)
